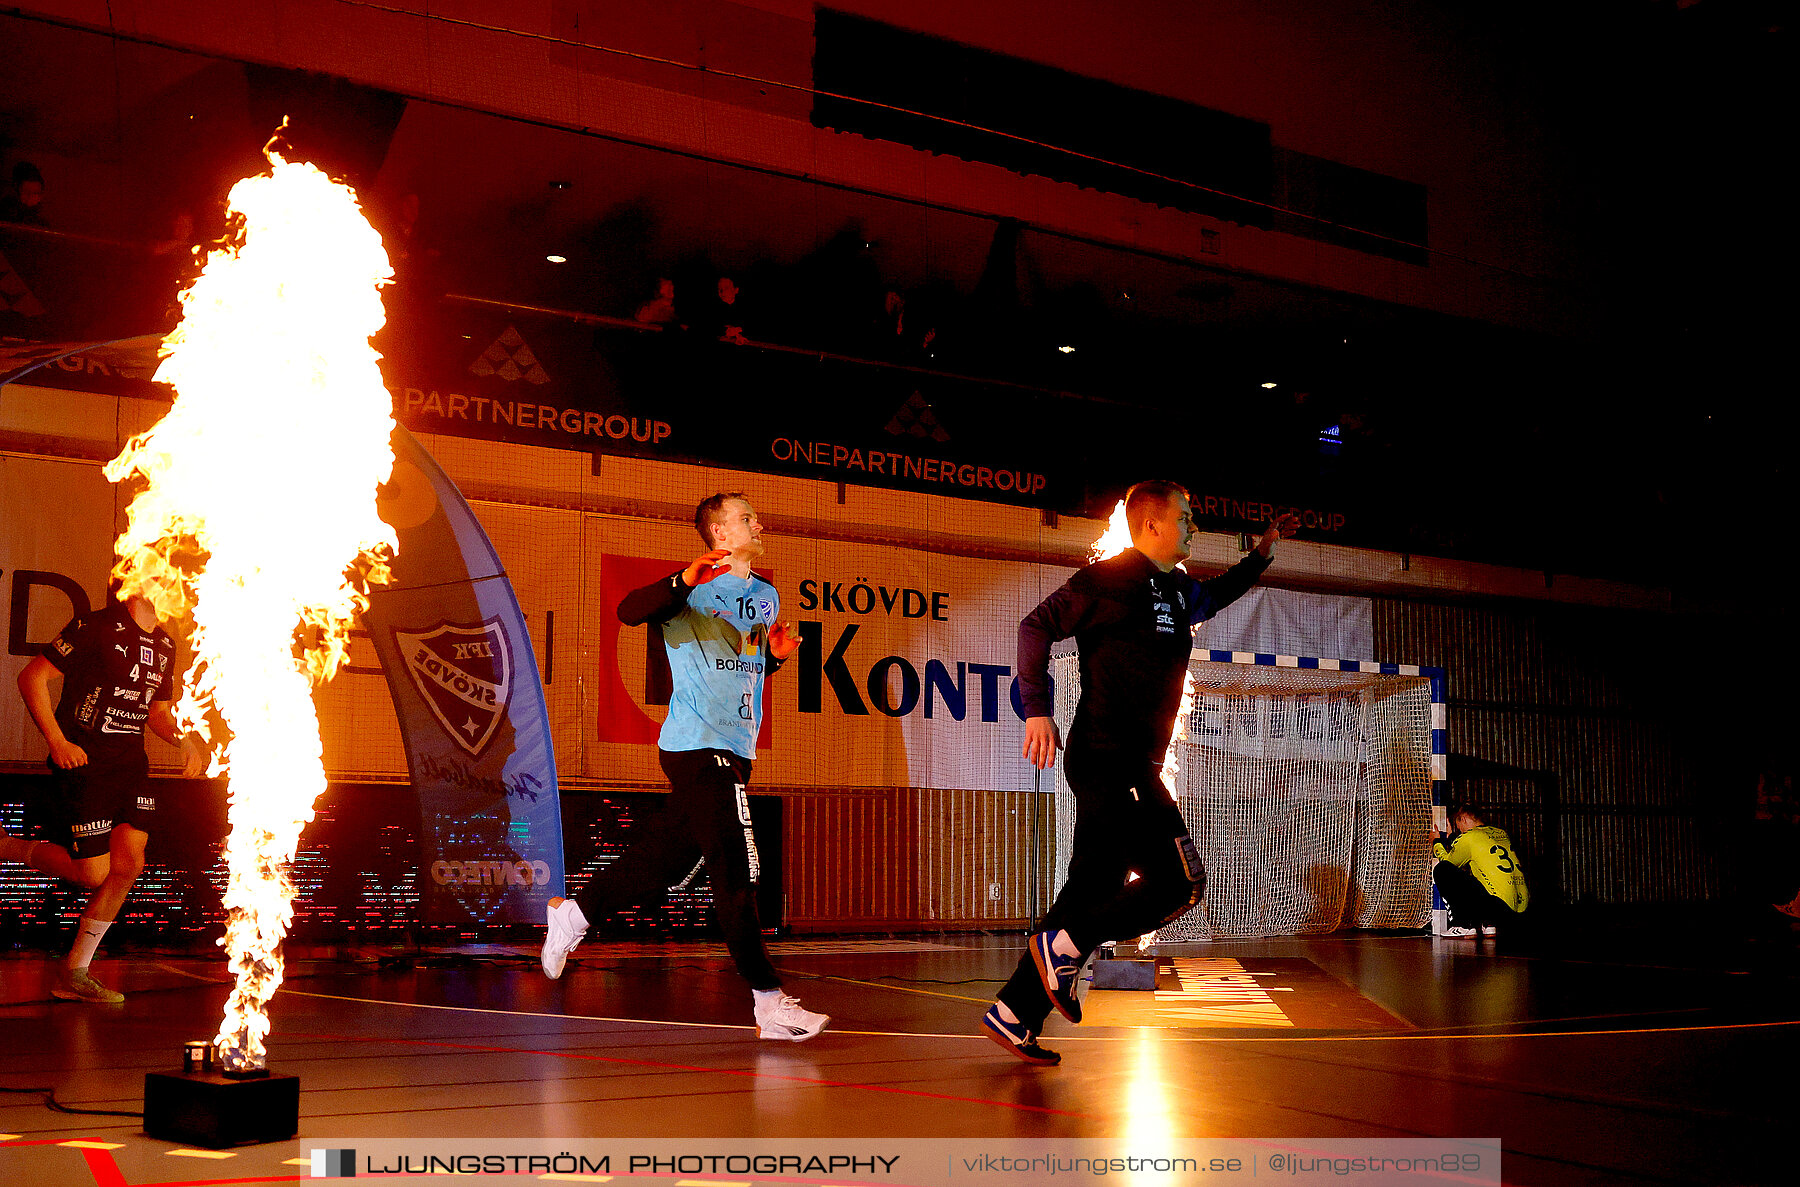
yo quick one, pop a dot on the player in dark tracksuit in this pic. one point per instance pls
(1132, 617)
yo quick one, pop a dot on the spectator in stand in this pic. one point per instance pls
(932, 312)
(172, 267)
(1775, 837)
(900, 337)
(660, 309)
(890, 327)
(732, 311)
(414, 259)
(180, 242)
(24, 204)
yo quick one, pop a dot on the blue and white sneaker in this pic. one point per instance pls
(566, 926)
(1016, 1039)
(1058, 972)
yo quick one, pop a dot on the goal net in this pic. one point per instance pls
(1307, 786)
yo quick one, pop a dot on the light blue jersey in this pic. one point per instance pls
(718, 647)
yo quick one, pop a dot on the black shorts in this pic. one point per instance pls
(91, 800)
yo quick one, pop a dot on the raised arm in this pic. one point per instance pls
(663, 598)
(1214, 595)
(1282, 527)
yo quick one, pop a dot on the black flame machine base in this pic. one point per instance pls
(206, 1107)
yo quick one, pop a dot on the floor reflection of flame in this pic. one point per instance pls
(1150, 1104)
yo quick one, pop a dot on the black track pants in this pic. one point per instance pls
(707, 815)
(1469, 901)
(1125, 822)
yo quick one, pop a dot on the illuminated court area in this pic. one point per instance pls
(1619, 1060)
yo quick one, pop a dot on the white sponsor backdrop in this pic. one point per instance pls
(907, 679)
(1289, 622)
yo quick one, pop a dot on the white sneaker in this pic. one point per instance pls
(1459, 932)
(566, 925)
(1488, 929)
(783, 1018)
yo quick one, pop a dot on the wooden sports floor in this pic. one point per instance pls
(1661, 1056)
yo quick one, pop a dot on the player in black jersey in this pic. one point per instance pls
(1133, 867)
(118, 675)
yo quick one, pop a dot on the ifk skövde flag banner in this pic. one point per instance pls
(470, 703)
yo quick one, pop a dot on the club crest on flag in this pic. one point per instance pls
(464, 673)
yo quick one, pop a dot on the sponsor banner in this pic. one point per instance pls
(906, 673)
(904, 676)
(665, 395)
(551, 382)
(1290, 622)
(465, 686)
(118, 368)
(1309, 726)
(1299, 727)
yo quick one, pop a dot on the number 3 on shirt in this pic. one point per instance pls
(1504, 858)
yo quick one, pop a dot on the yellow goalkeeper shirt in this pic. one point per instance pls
(1488, 853)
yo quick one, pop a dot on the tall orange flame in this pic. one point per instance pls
(256, 516)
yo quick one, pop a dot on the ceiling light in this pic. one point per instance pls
(565, 259)
(1066, 349)
(1270, 386)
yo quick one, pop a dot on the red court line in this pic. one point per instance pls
(103, 1168)
(106, 1171)
(295, 1178)
(683, 1067)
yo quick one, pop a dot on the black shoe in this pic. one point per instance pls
(1058, 973)
(1017, 1040)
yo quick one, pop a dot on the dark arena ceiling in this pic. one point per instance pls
(1623, 399)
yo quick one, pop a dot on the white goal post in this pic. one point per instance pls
(1312, 788)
